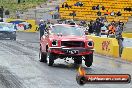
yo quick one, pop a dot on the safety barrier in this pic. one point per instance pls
(127, 35)
(126, 54)
(105, 46)
(24, 25)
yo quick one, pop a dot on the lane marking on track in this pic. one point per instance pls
(20, 40)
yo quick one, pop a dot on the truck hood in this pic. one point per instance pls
(68, 38)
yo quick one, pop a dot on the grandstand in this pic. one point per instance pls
(86, 13)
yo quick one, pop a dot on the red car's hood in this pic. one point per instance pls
(68, 38)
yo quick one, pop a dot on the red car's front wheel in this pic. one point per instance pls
(89, 60)
(50, 58)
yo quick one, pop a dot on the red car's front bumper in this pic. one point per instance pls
(70, 51)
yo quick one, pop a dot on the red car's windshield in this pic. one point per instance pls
(67, 30)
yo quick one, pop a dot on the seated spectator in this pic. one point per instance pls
(66, 5)
(79, 4)
(94, 8)
(112, 13)
(127, 9)
(103, 8)
(97, 7)
(99, 13)
(118, 13)
(63, 5)
(91, 27)
(107, 13)
(73, 14)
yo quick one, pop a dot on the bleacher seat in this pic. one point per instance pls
(86, 12)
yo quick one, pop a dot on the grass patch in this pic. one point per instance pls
(12, 5)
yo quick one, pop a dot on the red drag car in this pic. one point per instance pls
(66, 41)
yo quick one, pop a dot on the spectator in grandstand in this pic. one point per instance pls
(42, 27)
(112, 13)
(97, 27)
(94, 8)
(7, 13)
(97, 7)
(99, 13)
(107, 13)
(19, 1)
(128, 9)
(91, 27)
(118, 13)
(66, 6)
(121, 25)
(63, 5)
(103, 8)
(79, 4)
(111, 28)
(73, 14)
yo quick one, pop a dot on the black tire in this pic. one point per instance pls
(14, 38)
(43, 57)
(51, 59)
(89, 60)
(78, 60)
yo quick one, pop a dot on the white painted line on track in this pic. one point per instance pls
(19, 40)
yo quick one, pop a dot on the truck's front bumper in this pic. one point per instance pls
(70, 51)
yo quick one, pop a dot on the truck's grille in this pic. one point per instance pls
(73, 43)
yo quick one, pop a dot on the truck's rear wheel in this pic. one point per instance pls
(89, 60)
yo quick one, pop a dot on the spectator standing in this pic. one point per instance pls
(107, 13)
(97, 27)
(18, 14)
(111, 28)
(118, 13)
(1, 11)
(19, 1)
(119, 37)
(112, 13)
(7, 14)
(1, 19)
(42, 27)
